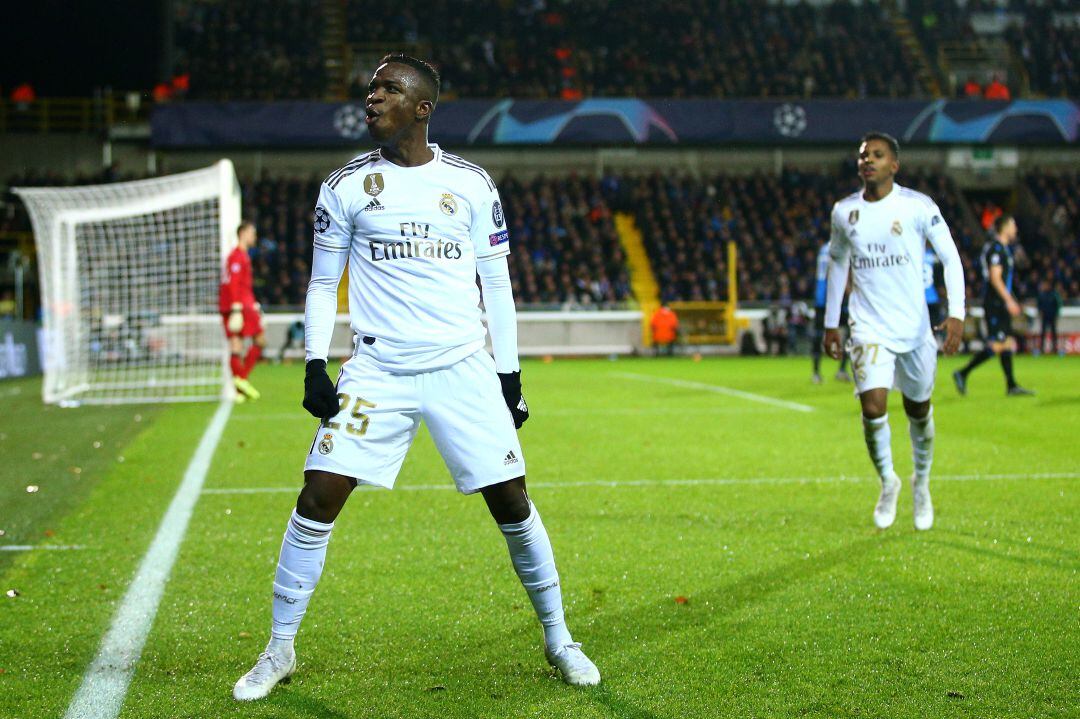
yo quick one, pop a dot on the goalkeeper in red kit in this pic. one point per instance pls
(241, 313)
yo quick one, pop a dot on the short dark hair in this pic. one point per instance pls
(427, 72)
(885, 137)
(242, 225)
(1000, 221)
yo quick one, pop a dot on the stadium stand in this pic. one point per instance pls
(706, 49)
(777, 221)
(241, 49)
(250, 49)
(1049, 44)
(1055, 255)
(567, 253)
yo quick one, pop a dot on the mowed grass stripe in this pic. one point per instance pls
(50, 631)
(105, 683)
(796, 605)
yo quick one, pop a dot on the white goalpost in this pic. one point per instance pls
(129, 286)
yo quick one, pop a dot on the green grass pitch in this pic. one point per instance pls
(758, 515)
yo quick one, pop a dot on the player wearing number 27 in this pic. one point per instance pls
(416, 226)
(879, 236)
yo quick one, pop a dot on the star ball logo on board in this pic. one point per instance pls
(448, 204)
(789, 119)
(497, 218)
(349, 121)
(322, 219)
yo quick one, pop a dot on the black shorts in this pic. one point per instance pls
(998, 324)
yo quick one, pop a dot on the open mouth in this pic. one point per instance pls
(372, 116)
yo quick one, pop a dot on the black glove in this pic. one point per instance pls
(320, 394)
(511, 391)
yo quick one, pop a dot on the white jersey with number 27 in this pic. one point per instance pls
(882, 244)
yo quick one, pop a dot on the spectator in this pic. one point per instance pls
(664, 324)
(23, 96)
(997, 90)
(972, 89)
(1049, 303)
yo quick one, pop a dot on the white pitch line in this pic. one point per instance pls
(708, 481)
(718, 389)
(105, 684)
(31, 547)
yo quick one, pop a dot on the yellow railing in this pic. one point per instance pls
(642, 280)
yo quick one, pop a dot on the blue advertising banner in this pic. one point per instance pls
(627, 122)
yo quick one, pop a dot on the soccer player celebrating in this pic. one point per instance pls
(879, 235)
(999, 307)
(416, 225)
(241, 314)
(821, 282)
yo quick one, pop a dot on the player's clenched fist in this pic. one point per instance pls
(834, 345)
(511, 391)
(320, 394)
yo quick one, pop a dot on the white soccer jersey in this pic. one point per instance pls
(882, 243)
(413, 237)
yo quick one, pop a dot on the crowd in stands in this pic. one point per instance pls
(1049, 46)
(271, 49)
(249, 49)
(1055, 242)
(777, 222)
(683, 48)
(567, 255)
(1044, 37)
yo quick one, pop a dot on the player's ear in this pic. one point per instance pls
(423, 110)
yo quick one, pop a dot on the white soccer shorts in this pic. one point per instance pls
(876, 367)
(462, 406)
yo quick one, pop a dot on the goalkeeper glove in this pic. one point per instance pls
(235, 323)
(320, 394)
(515, 402)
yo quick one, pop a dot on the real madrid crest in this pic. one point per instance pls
(326, 445)
(374, 184)
(448, 204)
(853, 217)
(896, 228)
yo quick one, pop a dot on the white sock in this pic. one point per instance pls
(922, 444)
(300, 564)
(878, 444)
(534, 562)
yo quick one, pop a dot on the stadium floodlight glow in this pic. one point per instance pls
(129, 286)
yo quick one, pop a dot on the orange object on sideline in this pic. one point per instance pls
(664, 324)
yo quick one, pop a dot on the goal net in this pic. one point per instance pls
(129, 283)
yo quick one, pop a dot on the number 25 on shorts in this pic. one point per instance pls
(359, 427)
